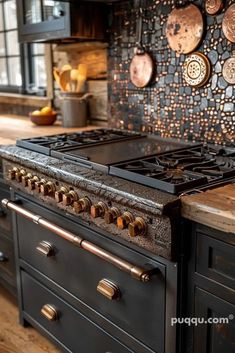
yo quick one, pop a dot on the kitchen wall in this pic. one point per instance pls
(169, 107)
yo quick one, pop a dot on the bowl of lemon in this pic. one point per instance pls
(45, 116)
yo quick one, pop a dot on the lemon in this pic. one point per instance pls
(36, 112)
(46, 110)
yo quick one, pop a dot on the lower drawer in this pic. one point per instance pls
(7, 262)
(69, 326)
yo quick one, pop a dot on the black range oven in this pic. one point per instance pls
(87, 291)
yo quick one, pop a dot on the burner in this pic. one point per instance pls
(181, 170)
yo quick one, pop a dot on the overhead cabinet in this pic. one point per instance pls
(56, 21)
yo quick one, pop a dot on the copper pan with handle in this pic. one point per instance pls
(142, 66)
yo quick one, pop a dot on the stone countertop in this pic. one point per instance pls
(214, 208)
(13, 127)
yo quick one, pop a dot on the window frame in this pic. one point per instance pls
(26, 57)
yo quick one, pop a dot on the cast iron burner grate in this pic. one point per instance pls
(62, 142)
(179, 171)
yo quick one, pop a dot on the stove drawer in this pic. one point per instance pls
(138, 308)
(67, 325)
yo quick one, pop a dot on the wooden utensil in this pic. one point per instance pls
(66, 67)
(213, 6)
(74, 79)
(197, 69)
(228, 24)
(229, 69)
(82, 76)
(65, 80)
(56, 74)
(141, 67)
(184, 29)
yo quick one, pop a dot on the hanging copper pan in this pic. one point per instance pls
(213, 6)
(228, 24)
(142, 66)
(184, 29)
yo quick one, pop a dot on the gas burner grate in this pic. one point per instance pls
(175, 172)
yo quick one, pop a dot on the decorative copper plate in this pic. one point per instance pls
(197, 69)
(184, 29)
(229, 69)
(213, 6)
(141, 69)
(228, 24)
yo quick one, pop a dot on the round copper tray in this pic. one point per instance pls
(213, 6)
(197, 69)
(184, 29)
(229, 70)
(228, 24)
(141, 69)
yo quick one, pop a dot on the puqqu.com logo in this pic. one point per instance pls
(195, 321)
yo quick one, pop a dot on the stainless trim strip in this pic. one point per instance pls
(136, 272)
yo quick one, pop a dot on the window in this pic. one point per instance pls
(22, 66)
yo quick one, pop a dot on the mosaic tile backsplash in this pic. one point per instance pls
(168, 106)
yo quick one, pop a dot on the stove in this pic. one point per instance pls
(165, 164)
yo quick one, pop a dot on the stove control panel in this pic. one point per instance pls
(111, 216)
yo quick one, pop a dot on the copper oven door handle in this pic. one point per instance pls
(136, 272)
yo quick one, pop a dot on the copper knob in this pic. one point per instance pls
(48, 188)
(124, 220)
(38, 185)
(12, 173)
(82, 205)
(69, 198)
(25, 179)
(111, 215)
(32, 182)
(59, 194)
(138, 227)
(98, 210)
(19, 175)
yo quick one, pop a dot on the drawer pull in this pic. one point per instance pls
(109, 289)
(139, 273)
(45, 248)
(3, 258)
(49, 312)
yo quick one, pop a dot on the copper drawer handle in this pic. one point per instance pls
(45, 248)
(136, 272)
(49, 312)
(108, 289)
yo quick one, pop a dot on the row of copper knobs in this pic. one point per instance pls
(135, 225)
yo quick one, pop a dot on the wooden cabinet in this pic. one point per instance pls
(56, 21)
(211, 297)
(214, 337)
(7, 261)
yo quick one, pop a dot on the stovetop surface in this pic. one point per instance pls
(178, 171)
(164, 164)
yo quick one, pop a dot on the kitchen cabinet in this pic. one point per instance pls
(7, 261)
(56, 21)
(212, 291)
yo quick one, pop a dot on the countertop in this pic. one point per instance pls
(13, 127)
(214, 208)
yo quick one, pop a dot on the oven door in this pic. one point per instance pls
(124, 286)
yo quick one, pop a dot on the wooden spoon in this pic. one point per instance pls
(65, 80)
(56, 74)
(74, 79)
